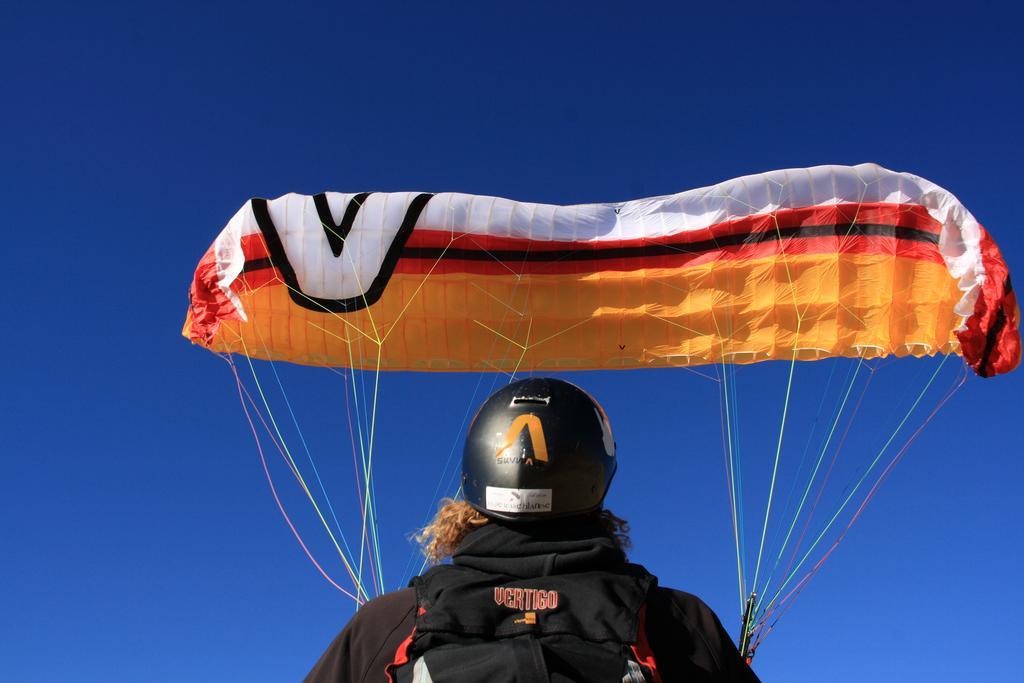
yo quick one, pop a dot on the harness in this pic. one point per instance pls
(478, 626)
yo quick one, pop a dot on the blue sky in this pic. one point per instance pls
(140, 540)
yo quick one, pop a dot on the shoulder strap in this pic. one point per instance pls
(642, 649)
(402, 653)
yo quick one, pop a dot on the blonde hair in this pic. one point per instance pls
(456, 518)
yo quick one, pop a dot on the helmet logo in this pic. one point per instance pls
(532, 424)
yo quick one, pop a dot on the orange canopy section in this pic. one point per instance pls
(806, 263)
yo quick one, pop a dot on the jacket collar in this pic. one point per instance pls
(559, 546)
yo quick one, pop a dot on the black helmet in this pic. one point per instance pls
(538, 448)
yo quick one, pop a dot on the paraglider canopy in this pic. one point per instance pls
(820, 262)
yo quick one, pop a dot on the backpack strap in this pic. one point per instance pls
(642, 649)
(401, 653)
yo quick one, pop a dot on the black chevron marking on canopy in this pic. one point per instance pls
(337, 232)
(279, 257)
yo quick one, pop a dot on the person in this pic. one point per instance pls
(538, 587)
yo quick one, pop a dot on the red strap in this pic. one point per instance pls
(401, 657)
(642, 649)
(401, 653)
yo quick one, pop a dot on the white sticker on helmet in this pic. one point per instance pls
(518, 500)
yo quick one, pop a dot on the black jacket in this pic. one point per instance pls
(688, 641)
